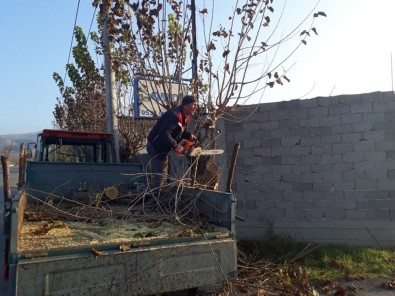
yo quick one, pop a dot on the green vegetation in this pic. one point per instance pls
(324, 261)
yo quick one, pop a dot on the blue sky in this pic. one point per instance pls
(352, 54)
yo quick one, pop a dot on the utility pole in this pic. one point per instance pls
(194, 50)
(111, 98)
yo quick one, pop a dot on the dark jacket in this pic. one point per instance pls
(169, 130)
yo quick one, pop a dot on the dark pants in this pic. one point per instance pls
(159, 164)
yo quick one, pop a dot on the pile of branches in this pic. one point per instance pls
(261, 277)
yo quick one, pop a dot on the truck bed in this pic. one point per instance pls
(68, 235)
(124, 228)
(125, 252)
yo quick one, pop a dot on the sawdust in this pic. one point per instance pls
(49, 234)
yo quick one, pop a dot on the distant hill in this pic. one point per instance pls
(16, 140)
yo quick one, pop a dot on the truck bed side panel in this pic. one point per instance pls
(67, 178)
(142, 271)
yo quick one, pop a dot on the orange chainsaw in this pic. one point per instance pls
(191, 149)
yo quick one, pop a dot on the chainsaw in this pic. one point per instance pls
(191, 149)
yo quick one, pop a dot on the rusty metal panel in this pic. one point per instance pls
(141, 271)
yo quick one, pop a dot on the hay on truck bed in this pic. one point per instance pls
(68, 225)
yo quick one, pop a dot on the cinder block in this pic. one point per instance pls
(300, 150)
(345, 204)
(279, 133)
(255, 160)
(339, 109)
(312, 195)
(361, 107)
(320, 131)
(352, 137)
(318, 112)
(261, 151)
(342, 147)
(302, 186)
(290, 141)
(270, 142)
(387, 145)
(259, 134)
(341, 128)
(366, 185)
(291, 178)
(324, 204)
(375, 136)
(354, 175)
(351, 118)
(311, 159)
(293, 195)
(343, 167)
(332, 157)
(274, 214)
(251, 143)
(251, 126)
(356, 214)
(353, 156)
(301, 168)
(282, 186)
(314, 214)
(349, 99)
(331, 139)
(312, 177)
(334, 214)
(299, 132)
(321, 149)
(382, 214)
(376, 116)
(377, 194)
(298, 113)
(290, 159)
(304, 204)
(362, 127)
(284, 205)
(289, 123)
(271, 160)
(307, 141)
(329, 120)
(364, 146)
(282, 169)
(365, 165)
(278, 115)
(344, 185)
(375, 155)
(322, 186)
(270, 125)
(281, 151)
(310, 122)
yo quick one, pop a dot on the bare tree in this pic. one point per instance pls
(153, 40)
(7, 148)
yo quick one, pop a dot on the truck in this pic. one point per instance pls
(77, 225)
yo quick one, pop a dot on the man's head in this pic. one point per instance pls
(189, 105)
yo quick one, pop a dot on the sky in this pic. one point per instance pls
(351, 54)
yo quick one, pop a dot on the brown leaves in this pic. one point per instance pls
(45, 228)
(211, 46)
(319, 13)
(204, 10)
(227, 68)
(225, 53)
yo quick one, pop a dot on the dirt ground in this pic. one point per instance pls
(368, 287)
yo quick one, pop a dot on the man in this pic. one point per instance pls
(167, 135)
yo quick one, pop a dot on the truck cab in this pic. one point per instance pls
(74, 146)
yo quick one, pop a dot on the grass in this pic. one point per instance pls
(324, 261)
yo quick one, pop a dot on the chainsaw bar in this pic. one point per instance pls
(199, 151)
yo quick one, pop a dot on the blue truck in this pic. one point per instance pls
(196, 255)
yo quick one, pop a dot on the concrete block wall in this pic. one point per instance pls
(319, 170)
